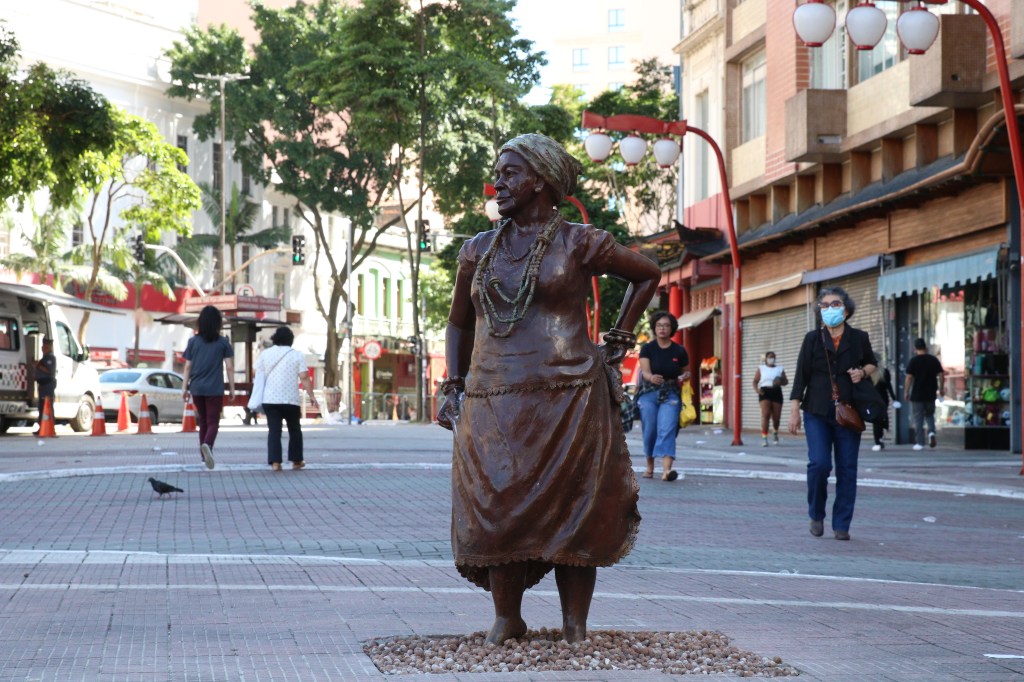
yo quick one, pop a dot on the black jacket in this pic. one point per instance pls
(811, 385)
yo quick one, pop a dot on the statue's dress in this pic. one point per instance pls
(540, 469)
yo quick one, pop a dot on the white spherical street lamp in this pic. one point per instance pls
(814, 22)
(917, 29)
(865, 25)
(666, 151)
(632, 149)
(598, 146)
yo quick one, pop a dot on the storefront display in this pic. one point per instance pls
(710, 390)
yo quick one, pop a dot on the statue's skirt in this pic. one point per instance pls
(544, 477)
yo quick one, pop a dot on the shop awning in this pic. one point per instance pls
(45, 294)
(766, 289)
(697, 317)
(841, 270)
(974, 267)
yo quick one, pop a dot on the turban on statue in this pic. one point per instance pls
(549, 160)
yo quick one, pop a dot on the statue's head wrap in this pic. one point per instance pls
(549, 160)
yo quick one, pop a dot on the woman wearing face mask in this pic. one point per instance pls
(851, 360)
(768, 382)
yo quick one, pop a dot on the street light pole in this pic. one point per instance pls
(222, 80)
(632, 123)
(816, 20)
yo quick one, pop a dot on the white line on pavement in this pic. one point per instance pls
(985, 491)
(628, 596)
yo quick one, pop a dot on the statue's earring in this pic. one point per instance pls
(538, 188)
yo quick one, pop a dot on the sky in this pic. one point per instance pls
(534, 21)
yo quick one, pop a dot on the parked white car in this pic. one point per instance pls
(161, 387)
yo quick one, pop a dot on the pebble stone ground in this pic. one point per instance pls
(254, 575)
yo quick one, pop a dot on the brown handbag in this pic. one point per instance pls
(847, 415)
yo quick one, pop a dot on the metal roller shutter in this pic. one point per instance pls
(863, 289)
(782, 332)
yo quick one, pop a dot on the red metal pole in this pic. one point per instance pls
(737, 287)
(595, 332)
(1016, 156)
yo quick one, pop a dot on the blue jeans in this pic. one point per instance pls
(824, 436)
(660, 424)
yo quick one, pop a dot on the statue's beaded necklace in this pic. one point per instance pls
(487, 280)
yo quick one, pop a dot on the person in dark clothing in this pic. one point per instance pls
(207, 355)
(851, 360)
(881, 425)
(663, 364)
(46, 378)
(925, 378)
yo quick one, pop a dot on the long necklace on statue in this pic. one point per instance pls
(486, 280)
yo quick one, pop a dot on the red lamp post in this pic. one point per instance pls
(599, 147)
(917, 29)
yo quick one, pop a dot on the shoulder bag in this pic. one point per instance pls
(847, 415)
(259, 383)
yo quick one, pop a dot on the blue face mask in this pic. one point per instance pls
(833, 317)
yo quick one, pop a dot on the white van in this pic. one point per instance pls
(28, 313)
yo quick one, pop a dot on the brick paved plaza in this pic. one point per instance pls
(254, 575)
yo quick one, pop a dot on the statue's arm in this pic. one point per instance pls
(458, 347)
(643, 276)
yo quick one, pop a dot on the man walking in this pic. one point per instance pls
(925, 378)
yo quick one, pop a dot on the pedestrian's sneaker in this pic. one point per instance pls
(876, 447)
(931, 440)
(764, 441)
(918, 447)
(207, 455)
(775, 437)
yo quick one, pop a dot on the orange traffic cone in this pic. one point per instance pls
(99, 420)
(145, 423)
(188, 420)
(46, 421)
(123, 420)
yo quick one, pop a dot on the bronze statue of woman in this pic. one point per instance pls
(541, 477)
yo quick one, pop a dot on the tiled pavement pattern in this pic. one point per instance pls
(251, 575)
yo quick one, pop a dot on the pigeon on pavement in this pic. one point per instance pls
(163, 488)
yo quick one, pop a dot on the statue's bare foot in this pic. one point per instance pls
(506, 628)
(572, 631)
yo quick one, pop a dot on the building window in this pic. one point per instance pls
(77, 233)
(700, 185)
(616, 57)
(246, 184)
(580, 59)
(183, 146)
(281, 287)
(218, 175)
(246, 255)
(361, 294)
(886, 53)
(828, 62)
(616, 20)
(615, 86)
(400, 307)
(754, 112)
(387, 298)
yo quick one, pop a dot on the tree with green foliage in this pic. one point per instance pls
(50, 120)
(137, 189)
(353, 109)
(241, 217)
(45, 251)
(644, 194)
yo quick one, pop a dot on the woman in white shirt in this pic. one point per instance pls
(284, 368)
(768, 382)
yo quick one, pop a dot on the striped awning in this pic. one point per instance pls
(973, 267)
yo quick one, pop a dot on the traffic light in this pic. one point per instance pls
(139, 248)
(298, 250)
(423, 233)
